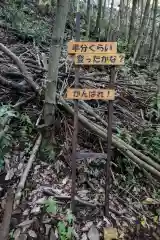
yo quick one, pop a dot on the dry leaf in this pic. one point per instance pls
(52, 235)
(26, 212)
(110, 233)
(9, 175)
(22, 237)
(17, 233)
(84, 236)
(65, 180)
(48, 227)
(149, 201)
(36, 210)
(27, 222)
(87, 226)
(93, 233)
(32, 233)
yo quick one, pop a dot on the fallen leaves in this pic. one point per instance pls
(93, 233)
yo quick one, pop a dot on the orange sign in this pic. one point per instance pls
(92, 47)
(88, 94)
(99, 59)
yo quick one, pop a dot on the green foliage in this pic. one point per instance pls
(65, 232)
(51, 206)
(64, 226)
(6, 138)
(151, 139)
(24, 20)
(23, 126)
(122, 46)
(5, 113)
(47, 151)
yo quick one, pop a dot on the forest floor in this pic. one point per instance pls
(43, 209)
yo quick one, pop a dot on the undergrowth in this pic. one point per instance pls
(14, 127)
(25, 21)
(64, 219)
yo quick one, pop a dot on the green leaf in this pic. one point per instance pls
(69, 216)
(51, 206)
(61, 228)
(69, 232)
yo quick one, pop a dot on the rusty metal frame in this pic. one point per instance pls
(109, 143)
(75, 128)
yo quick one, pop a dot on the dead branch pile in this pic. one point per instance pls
(128, 107)
(23, 70)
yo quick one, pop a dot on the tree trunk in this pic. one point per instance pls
(157, 39)
(155, 7)
(55, 51)
(141, 30)
(146, 35)
(127, 18)
(97, 27)
(121, 13)
(110, 21)
(88, 19)
(142, 6)
(132, 23)
(104, 9)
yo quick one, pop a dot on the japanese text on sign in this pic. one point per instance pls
(88, 94)
(92, 47)
(99, 59)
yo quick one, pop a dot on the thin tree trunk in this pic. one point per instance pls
(88, 19)
(127, 18)
(146, 35)
(148, 27)
(155, 7)
(141, 30)
(97, 27)
(157, 39)
(142, 6)
(132, 23)
(121, 13)
(104, 9)
(55, 50)
(110, 20)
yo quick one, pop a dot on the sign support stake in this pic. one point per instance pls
(75, 128)
(109, 143)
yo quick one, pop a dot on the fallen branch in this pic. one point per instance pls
(147, 159)
(5, 226)
(50, 191)
(27, 169)
(11, 84)
(19, 104)
(21, 67)
(127, 150)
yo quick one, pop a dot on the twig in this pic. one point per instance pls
(50, 192)
(21, 67)
(27, 169)
(19, 104)
(11, 84)
(4, 231)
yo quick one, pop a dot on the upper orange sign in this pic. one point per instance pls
(92, 47)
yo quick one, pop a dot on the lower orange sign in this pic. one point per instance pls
(88, 94)
(99, 59)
